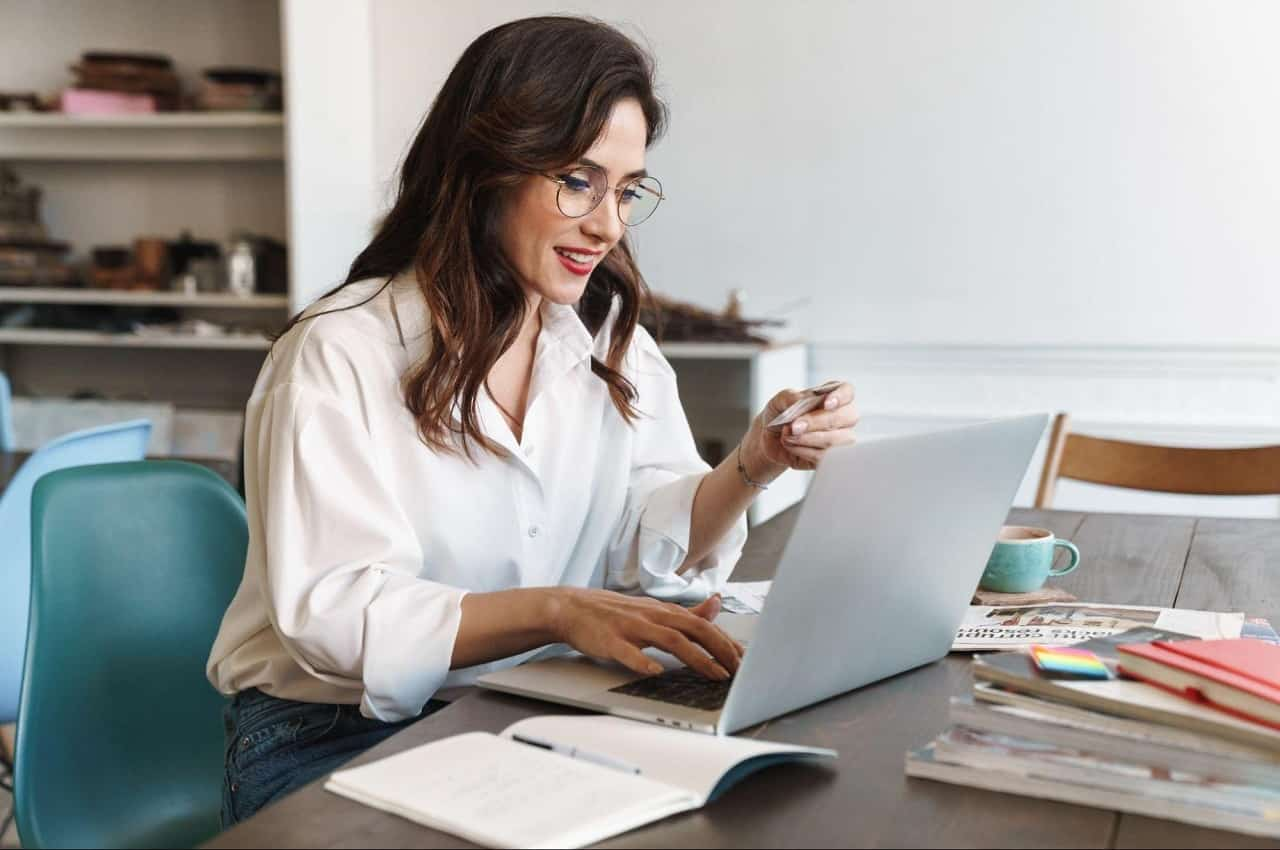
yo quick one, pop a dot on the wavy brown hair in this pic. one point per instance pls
(526, 98)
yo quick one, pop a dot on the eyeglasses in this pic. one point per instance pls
(582, 189)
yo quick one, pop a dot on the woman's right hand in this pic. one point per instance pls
(609, 626)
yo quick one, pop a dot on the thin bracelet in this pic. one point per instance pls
(742, 470)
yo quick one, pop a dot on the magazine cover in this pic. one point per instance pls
(1061, 623)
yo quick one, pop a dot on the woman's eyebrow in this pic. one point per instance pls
(641, 173)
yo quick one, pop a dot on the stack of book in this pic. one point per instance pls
(1173, 728)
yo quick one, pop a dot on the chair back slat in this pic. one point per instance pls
(123, 441)
(1253, 471)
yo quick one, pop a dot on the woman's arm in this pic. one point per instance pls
(601, 624)
(723, 494)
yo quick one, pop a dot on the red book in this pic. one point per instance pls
(1240, 676)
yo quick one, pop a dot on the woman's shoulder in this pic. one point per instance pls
(644, 356)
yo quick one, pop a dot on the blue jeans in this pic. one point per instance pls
(275, 746)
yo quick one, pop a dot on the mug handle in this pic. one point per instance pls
(1075, 557)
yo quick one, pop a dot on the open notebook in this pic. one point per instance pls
(510, 790)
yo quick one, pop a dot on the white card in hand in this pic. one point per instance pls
(813, 397)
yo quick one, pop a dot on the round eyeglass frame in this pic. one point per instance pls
(616, 190)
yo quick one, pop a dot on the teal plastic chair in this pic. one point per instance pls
(120, 741)
(8, 442)
(106, 444)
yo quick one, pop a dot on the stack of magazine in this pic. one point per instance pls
(1117, 743)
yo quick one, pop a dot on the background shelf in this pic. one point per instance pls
(175, 136)
(221, 301)
(49, 336)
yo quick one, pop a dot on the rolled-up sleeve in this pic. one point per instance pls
(652, 540)
(344, 573)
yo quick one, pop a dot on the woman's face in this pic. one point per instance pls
(554, 254)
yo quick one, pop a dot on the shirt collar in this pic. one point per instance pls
(564, 342)
(560, 322)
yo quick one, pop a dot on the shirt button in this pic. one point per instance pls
(533, 530)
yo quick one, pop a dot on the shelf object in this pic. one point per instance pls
(135, 298)
(718, 350)
(173, 136)
(99, 339)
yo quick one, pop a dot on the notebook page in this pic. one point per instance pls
(500, 793)
(690, 760)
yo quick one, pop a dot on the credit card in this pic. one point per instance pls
(813, 398)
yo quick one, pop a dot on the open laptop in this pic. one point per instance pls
(875, 579)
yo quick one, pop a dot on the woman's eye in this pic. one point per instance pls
(630, 195)
(576, 183)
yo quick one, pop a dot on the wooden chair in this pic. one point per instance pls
(1165, 469)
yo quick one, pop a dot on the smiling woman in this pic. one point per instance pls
(449, 456)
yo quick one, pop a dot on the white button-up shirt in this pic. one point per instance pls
(363, 541)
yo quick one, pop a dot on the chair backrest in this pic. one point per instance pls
(120, 739)
(106, 444)
(1165, 469)
(7, 440)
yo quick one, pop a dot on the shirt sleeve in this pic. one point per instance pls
(653, 536)
(344, 582)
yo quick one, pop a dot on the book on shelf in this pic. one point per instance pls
(559, 780)
(1241, 677)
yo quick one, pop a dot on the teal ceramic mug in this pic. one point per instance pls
(1023, 558)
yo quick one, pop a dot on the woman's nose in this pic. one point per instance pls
(603, 222)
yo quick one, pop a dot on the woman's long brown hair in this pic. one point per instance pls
(527, 97)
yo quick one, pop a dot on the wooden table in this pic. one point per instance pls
(865, 799)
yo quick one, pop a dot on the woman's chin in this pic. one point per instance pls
(565, 293)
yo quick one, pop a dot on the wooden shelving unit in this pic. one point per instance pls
(218, 301)
(98, 339)
(174, 136)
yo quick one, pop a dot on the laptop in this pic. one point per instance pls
(874, 580)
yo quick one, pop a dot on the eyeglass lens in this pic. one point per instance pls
(582, 190)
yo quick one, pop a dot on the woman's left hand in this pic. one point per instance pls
(803, 442)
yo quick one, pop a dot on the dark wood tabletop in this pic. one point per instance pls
(865, 800)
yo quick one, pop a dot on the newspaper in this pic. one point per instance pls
(1057, 624)
(744, 597)
(1060, 623)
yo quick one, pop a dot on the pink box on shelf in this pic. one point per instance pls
(96, 102)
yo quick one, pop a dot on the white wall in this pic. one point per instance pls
(988, 207)
(329, 139)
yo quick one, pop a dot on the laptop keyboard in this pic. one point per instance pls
(681, 686)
